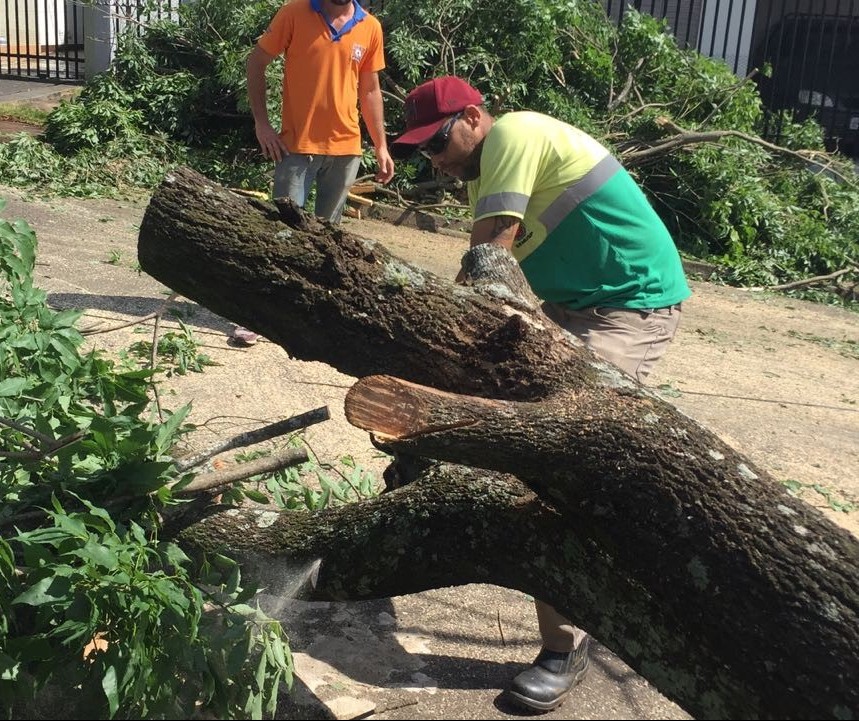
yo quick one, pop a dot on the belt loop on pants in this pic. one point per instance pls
(669, 308)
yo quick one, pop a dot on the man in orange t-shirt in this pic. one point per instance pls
(333, 52)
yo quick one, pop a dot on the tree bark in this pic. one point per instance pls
(732, 597)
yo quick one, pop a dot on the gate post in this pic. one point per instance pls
(99, 37)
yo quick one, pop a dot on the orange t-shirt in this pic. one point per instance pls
(320, 75)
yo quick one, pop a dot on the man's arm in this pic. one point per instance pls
(373, 112)
(269, 141)
(498, 229)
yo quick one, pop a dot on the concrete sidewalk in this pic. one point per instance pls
(28, 90)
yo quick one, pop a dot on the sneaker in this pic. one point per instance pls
(547, 683)
(243, 336)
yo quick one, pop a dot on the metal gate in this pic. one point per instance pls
(50, 39)
(41, 39)
(812, 50)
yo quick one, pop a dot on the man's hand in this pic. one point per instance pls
(269, 142)
(386, 165)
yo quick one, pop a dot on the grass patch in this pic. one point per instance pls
(23, 113)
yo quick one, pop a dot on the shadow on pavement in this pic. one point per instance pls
(188, 312)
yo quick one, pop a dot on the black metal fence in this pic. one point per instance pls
(41, 39)
(812, 62)
(49, 39)
(803, 54)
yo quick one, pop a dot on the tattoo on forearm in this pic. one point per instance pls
(501, 223)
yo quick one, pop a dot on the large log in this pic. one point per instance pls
(731, 596)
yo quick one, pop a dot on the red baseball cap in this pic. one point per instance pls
(429, 105)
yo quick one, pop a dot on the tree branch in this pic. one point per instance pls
(219, 479)
(273, 430)
(47, 446)
(806, 281)
(687, 137)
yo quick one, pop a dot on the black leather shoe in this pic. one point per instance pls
(546, 684)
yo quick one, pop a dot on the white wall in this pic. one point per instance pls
(104, 22)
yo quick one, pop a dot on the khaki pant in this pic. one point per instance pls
(633, 340)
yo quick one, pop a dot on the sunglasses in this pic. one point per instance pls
(438, 142)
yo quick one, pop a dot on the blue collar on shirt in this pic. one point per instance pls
(357, 17)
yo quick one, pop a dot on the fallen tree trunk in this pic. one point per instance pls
(732, 597)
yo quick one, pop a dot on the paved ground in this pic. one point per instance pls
(14, 90)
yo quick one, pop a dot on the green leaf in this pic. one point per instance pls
(9, 668)
(7, 558)
(66, 351)
(794, 487)
(99, 513)
(333, 488)
(12, 387)
(66, 319)
(138, 534)
(166, 433)
(71, 525)
(175, 556)
(71, 631)
(46, 590)
(97, 554)
(16, 265)
(111, 689)
(256, 496)
(145, 477)
(261, 669)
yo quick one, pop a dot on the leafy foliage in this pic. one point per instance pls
(113, 168)
(91, 600)
(179, 350)
(176, 93)
(764, 217)
(313, 485)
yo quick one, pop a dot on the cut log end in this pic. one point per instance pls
(385, 406)
(394, 409)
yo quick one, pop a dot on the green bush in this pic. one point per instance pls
(83, 484)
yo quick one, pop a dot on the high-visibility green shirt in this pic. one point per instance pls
(588, 235)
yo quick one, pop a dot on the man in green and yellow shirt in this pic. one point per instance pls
(591, 247)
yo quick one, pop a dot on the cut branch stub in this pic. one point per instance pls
(398, 410)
